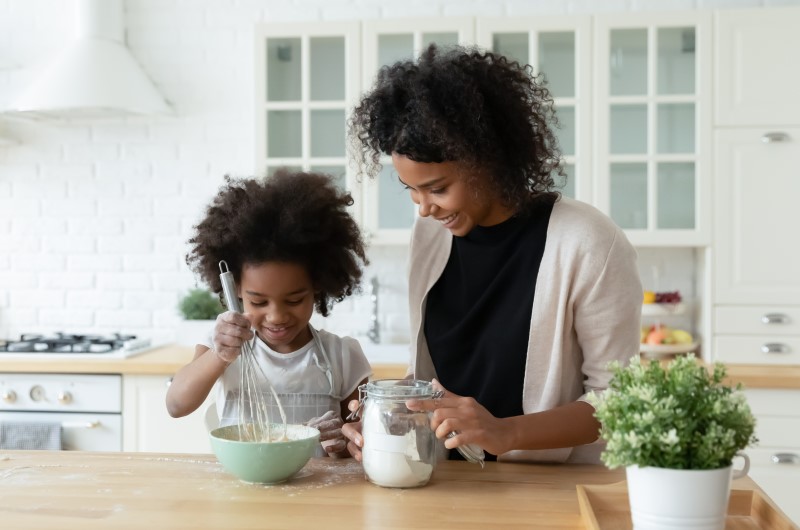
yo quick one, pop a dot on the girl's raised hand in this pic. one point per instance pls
(230, 332)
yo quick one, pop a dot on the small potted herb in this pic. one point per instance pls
(676, 429)
(199, 309)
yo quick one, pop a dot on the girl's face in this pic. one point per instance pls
(280, 299)
(442, 193)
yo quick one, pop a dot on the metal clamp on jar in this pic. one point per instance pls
(399, 445)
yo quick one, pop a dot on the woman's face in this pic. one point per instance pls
(442, 192)
(280, 299)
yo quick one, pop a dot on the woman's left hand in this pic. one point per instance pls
(471, 422)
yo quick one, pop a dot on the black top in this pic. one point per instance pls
(478, 314)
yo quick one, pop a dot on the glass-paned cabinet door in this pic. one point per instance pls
(653, 127)
(307, 80)
(558, 49)
(388, 212)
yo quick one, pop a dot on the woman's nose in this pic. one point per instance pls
(426, 207)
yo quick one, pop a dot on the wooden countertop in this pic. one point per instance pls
(84, 491)
(167, 360)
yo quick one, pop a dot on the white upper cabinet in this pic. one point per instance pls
(307, 80)
(756, 59)
(558, 48)
(387, 209)
(652, 140)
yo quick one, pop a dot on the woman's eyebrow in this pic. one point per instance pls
(429, 184)
(298, 291)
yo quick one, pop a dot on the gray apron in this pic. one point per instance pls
(299, 408)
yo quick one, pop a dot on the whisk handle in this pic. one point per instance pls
(229, 288)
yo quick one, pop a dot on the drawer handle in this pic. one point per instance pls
(775, 318)
(775, 347)
(772, 137)
(785, 458)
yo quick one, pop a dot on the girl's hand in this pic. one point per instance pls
(471, 422)
(329, 426)
(230, 332)
(352, 431)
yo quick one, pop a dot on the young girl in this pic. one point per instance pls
(292, 247)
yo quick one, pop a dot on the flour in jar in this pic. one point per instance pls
(394, 460)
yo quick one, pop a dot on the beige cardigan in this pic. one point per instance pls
(586, 312)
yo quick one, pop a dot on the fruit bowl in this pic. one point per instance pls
(661, 310)
(654, 351)
(264, 462)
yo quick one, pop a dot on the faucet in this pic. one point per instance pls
(374, 333)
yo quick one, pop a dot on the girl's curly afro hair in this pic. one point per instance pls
(466, 105)
(289, 217)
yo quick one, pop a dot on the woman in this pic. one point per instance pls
(519, 298)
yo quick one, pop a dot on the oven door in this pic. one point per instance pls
(79, 431)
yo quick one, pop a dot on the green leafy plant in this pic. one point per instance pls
(200, 304)
(678, 417)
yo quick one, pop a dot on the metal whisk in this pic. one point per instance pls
(254, 424)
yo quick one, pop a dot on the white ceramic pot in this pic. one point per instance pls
(681, 499)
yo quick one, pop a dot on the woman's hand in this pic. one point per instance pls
(471, 422)
(352, 431)
(230, 332)
(329, 426)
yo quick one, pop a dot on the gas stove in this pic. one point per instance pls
(74, 346)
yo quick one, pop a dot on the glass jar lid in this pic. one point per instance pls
(399, 389)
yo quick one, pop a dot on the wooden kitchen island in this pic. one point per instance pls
(83, 491)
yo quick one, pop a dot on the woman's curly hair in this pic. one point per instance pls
(290, 217)
(467, 105)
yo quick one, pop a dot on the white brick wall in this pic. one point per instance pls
(94, 217)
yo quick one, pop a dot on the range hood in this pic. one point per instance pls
(94, 76)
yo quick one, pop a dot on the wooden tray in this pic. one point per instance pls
(606, 507)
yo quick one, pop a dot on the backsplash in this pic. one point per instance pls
(94, 216)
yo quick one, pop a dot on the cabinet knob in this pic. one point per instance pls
(9, 396)
(774, 137)
(775, 347)
(785, 458)
(65, 398)
(775, 318)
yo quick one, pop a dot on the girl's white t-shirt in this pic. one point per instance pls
(299, 372)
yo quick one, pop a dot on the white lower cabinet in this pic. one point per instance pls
(775, 460)
(148, 427)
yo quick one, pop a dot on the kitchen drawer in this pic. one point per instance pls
(767, 402)
(778, 431)
(781, 482)
(757, 320)
(749, 349)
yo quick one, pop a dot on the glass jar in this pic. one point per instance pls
(399, 445)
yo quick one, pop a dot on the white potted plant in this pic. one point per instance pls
(199, 309)
(676, 429)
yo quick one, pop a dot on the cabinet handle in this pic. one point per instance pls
(775, 318)
(775, 347)
(785, 458)
(774, 137)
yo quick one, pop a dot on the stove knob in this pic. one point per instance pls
(65, 398)
(37, 393)
(9, 396)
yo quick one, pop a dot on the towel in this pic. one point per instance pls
(30, 435)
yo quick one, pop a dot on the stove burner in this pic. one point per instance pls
(66, 343)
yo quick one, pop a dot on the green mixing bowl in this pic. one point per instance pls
(264, 462)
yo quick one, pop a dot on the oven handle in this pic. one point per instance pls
(81, 424)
